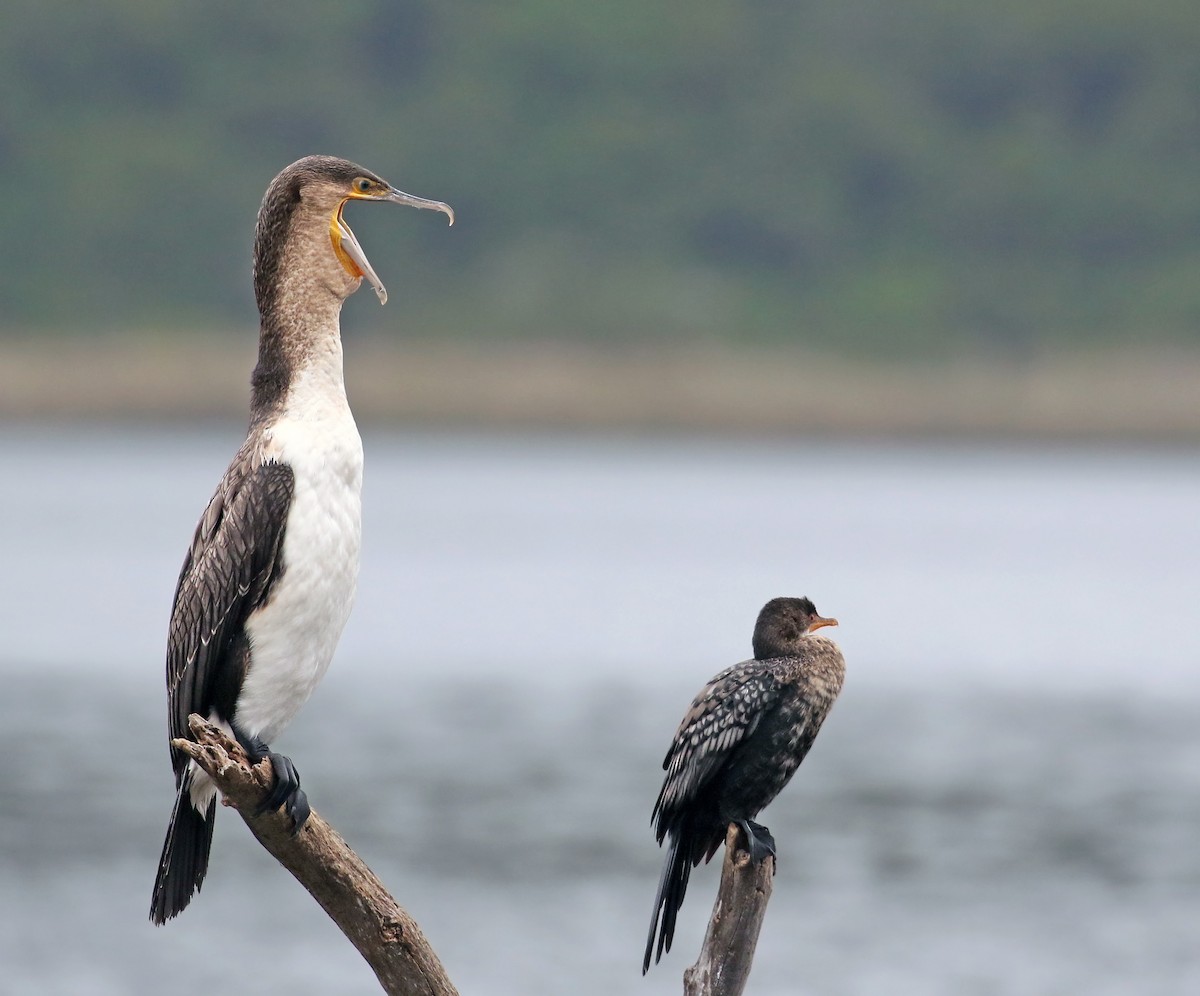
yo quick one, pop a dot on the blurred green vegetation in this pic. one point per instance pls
(863, 176)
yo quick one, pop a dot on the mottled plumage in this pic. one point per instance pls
(270, 577)
(738, 745)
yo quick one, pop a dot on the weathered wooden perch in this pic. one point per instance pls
(385, 935)
(728, 951)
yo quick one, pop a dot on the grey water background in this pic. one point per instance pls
(1006, 800)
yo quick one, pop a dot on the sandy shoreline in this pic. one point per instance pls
(1127, 397)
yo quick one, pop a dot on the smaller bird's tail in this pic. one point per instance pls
(672, 885)
(184, 860)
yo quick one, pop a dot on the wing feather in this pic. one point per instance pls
(725, 713)
(234, 559)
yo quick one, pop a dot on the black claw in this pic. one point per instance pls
(285, 790)
(759, 841)
(298, 810)
(286, 781)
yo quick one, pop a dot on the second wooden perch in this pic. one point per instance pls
(384, 934)
(728, 951)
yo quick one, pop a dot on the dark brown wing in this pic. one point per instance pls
(724, 714)
(227, 574)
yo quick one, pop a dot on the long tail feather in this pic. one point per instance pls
(184, 861)
(672, 885)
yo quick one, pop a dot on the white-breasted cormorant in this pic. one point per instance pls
(270, 577)
(738, 745)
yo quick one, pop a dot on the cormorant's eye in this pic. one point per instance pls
(362, 184)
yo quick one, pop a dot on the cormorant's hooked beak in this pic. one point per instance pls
(408, 200)
(348, 244)
(819, 621)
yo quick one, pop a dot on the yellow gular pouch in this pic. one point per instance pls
(350, 253)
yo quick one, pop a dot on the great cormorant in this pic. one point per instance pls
(268, 582)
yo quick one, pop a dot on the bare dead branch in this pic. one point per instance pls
(385, 935)
(728, 951)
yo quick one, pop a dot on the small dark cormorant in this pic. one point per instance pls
(270, 577)
(739, 744)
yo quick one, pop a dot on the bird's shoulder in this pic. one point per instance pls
(250, 489)
(229, 564)
(725, 713)
(732, 698)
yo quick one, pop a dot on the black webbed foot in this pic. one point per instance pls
(759, 841)
(285, 791)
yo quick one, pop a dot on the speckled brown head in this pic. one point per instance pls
(324, 185)
(781, 624)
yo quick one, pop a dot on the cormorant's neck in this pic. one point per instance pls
(300, 334)
(300, 285)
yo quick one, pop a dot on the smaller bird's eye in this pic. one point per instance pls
(363, 184)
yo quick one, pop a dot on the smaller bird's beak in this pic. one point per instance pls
(820, 621)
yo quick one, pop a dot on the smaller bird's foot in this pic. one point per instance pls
(759, 841)
(285, 791)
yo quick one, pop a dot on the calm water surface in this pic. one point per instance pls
(1005, 801)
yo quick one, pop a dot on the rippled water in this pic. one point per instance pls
(1005, 801)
